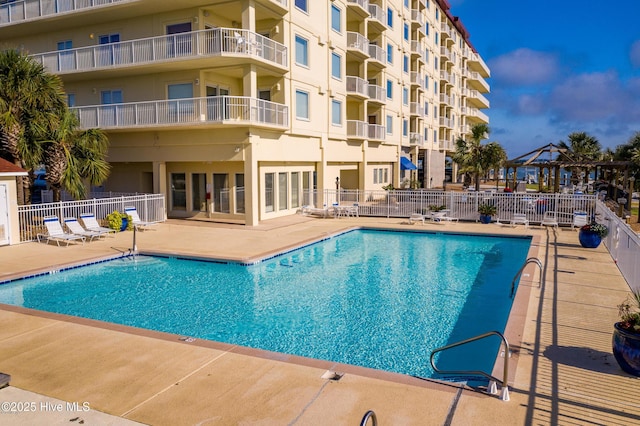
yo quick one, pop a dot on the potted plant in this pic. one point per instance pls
(626, 335)
(591, 234)
(119, 221)
(486, 210)
(437, 207)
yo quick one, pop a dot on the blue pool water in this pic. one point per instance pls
(378, 299)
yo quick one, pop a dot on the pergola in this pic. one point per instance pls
(551, 158)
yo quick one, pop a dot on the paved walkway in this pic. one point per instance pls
(562, 369)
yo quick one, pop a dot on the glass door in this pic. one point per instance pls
(198, 192)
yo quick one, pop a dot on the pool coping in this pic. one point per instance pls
(513, 331)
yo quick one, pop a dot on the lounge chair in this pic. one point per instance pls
(519, 218)
(416, 217)
(315, 211)
(443, 215)
(579, 219)
(550, 219)
(135, 219)
(56, 233)
(77, 229)
(91, 223)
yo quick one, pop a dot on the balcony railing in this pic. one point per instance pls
(212, 42)
(477, 95)
(416, 139)
(417, 78)
(416, 17)
(190, 111)
(362, 4)
(445, 122)
(377, 93)
(16, 11)
(356, 41)
(378, 14)
(378, 54)
(376, 132)
(416, 108)
(357, 129)
(358, 86)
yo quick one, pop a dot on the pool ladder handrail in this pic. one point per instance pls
(369, 415)
(492, 388)
(524, 265)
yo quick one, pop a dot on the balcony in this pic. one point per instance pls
(416, 18)
(224, 110)
(446, 122)
(357, 44)
(475, 115)
(445, 30)
(445, 77)
(417, 50)
(477, 99)
(357, 87)
(377, 56)
(359, 7)
(417, 79)
(376, 132)
(23, 10)
(164, 49)
(477, 63)
(416, 108)
(476, 80)
(377, 94)
(416, 139)
(282, 5)
(357, 129)
(446, 145)
(445, 99)
(378, 18)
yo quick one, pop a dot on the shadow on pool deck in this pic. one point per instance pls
(565, 372)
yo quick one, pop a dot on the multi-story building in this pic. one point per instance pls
(237, 109)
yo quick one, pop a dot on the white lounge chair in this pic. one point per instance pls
(135, 218)
(77, 229)
(91, 223)
(443, 215)
(416, 217)
(579, 219)
(550, 219)
(56, 233)
(520, 218)
(315, 211)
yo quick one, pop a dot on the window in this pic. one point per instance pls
(389, 124)
(336, 66)
(426, 28)
(405, 64)
(240, 193)
(406, 4)
(405, 127)
(435, 63)
(426, 82)
(302, 5)
(198, 192)
(302, 104)
(178, 191)
(389, 53)
(71, 99)
(405, 96)
(436, 37)
(336, 113)
(375, 175)
(66, 60)
(405, 31)
(389, 17)
(426, 108)
(435, 87)
(302, 51)
(295, 190)
(220, 196)
(179, 91)
(389, 89)
(336, 19)
(65, 45)
(283, 191)
(268, 192)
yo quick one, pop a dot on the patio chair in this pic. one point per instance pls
(77, 229)
(443, 215)
(316, 211)
(135, 218)
(416, 217)
(550, 219)
(519, 218)
(56, 233)
(91, 223)
(579, 219)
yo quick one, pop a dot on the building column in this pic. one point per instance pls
(249, 15)
(251, 187)
(250, 82)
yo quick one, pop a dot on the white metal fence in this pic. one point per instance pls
(14, 11)
(150, 207)
(463, 205)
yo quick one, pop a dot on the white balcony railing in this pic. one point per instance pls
(477, 95)
(416, 108)
(357, 129)
(356, 41)
(417, 78)
(416, 139)
(377, 53)
(376, 132)
(377, 93)
(416, 16)
(358, 86)
(362, 3)
(190, 111)
(378, 14)
(12, 12)
(196, 44)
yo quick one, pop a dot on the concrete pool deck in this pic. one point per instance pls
(565, 372)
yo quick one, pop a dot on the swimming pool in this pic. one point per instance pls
(378, 299)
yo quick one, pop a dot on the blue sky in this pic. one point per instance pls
(557, 67)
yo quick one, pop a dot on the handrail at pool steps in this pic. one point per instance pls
(369, 415)
(524, 265)
(492, 388)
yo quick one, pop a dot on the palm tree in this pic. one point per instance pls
(74, 156)
(476, 158)
(585, 147)
(31, 100)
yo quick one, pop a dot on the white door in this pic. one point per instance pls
(4, 216)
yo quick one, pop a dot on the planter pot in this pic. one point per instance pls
(589, 239)
(626, 349)
(125, 223)
(485, 218)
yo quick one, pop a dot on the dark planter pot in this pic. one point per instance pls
(589, 239)
(626, 349)
(125, 223)
(485, 218)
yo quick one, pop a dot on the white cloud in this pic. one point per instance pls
(524, 67)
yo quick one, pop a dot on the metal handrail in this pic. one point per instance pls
(369, 415)
(524, 265)
(492, 388)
